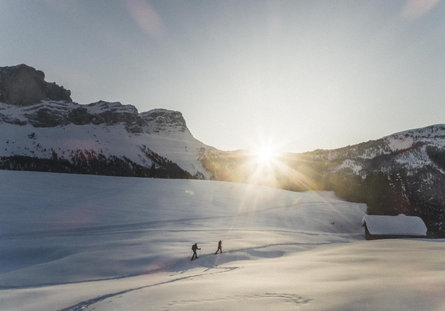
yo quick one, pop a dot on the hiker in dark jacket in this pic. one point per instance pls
(194, 248)
(219, 247)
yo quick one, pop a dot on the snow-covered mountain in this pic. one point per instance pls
(412, 149)
(45, 130)
(41, 128)
(400, 173)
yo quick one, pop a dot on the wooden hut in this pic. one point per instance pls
(400, 226)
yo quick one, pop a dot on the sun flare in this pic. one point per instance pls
(264, 156)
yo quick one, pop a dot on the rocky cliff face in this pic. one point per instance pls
(49, 113)
(164, 121)
(22, 85)
(42, 129)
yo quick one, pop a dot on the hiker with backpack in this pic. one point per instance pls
(219, 247)
(194, 249)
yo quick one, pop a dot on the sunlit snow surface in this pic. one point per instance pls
(79, 242)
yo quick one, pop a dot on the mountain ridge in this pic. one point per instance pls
(399, 173)
(110, 138)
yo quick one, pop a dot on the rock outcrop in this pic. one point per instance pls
(23, 85)
(162, 120)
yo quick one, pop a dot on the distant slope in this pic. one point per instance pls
(400, 173)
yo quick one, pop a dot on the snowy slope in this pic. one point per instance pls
(408, 149)
(77, 217)
(400, 173)
(114, 243)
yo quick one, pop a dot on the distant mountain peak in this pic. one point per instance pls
(165, 120)
(22, 85)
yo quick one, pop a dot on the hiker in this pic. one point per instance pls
(194, 248)
(219, 247)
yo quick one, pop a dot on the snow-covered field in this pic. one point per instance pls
(79, 242)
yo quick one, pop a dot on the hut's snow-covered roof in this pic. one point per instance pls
(395, 225)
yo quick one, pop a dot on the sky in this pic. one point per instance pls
(293, 75)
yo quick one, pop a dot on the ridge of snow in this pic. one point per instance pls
(396, 143)
(103, 106)
(432, 135)
(158, 110)
(350, 164)
(428, 131)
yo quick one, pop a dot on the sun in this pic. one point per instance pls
(264, 156)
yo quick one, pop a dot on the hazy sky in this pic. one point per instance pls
(301, 75)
